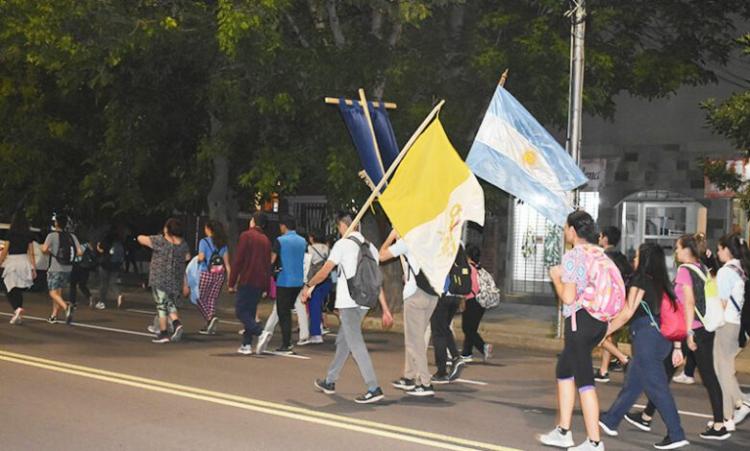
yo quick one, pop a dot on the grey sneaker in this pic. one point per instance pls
(263, 340)
(587, 445)
(329, 388)
(153, 329)
(555, 437)
(100, 305)
(177, 334)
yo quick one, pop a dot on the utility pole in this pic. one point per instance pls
(577, 14)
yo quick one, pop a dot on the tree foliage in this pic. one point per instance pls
(119, 108)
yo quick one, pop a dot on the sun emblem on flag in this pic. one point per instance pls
(530, 157)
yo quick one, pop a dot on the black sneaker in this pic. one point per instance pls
(668, 443)
(404, 384)
(439, 379)
(329, 388)
(204, 331)
(370, 397)
(177, 334)
(713, 434)
(637, 420)
(421, 390)
(161, 339)
(285, 350)
(458, 366)
(69, 313)
(599, 377)
(212, 325)
(52, 320)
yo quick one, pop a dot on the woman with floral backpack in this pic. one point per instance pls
(592, 292)
(650, 302)
(473, 312)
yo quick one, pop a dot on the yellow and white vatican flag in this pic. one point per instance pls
(431, 195)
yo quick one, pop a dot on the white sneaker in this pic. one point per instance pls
(682, 378)
(729, 424)
(304, 342)
(17, 316)
(245, 350)
(263, 340)
(316, 339)
(557, 438)
(487, 354)
(588, 446)
(153, 329)
(740, 414)
(100, 305)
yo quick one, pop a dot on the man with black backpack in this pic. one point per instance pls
(63, 248)
(358, 289)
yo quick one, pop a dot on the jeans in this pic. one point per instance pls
(349, 340)
(646, 373)
(245, 308)
(285, 298)
(316, 306)
(472, 316)
(442, 336)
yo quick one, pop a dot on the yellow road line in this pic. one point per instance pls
(281, 410)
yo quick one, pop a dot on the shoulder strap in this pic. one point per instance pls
(312, 246)
(355, 239)
(696, 270)
(647, 309)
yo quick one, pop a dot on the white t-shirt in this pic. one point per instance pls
(731, 285)
(398, 249)
(344, 254)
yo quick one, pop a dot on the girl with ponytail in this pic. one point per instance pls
(735, 255)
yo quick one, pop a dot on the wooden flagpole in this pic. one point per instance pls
(363, 101)
(376, 192)
(335, 101)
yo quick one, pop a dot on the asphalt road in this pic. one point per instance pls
(107, 386)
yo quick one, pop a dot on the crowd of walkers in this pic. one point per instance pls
(703, 311)
(700, 317)
(297, 272)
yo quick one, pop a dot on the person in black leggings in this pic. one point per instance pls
(473, 312)
(443, 340)
(18, 260)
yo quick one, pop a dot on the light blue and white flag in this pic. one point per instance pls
(515, 153)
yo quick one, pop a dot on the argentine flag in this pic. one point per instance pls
(515, 153)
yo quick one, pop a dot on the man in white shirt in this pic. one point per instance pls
(418, 308)
(345, 255)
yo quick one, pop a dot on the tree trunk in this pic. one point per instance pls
(222, 204)
(333, 21)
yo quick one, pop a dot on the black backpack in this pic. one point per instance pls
(459, 277)
(745, 318)
(66, 251)
(215, 259)
(88, 259)
(364, 286)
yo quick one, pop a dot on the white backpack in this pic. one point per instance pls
(489, 295)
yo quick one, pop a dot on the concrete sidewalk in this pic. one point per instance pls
(518, 325)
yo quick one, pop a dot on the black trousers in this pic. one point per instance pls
(472, 316)
(15, 297)
(704, 359)
(79, 280)
(285, 299)
(442, 337)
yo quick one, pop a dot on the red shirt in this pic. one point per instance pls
(252, 260)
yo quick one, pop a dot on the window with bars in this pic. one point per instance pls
(536, 245)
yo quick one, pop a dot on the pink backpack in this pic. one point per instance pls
(604, 295)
